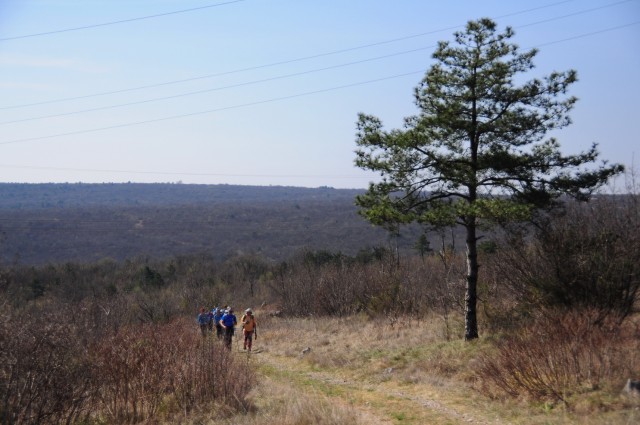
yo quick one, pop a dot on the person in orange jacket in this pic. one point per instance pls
(249, 328)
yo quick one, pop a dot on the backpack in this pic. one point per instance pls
(248, 325)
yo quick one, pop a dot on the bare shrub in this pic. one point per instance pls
(131, 367)
(586, 257)
(145, 366)
(206, 372)
(560, 355)
(337, 290)
(502, 307)
(342, 286)
(45, 375)
(323, 289)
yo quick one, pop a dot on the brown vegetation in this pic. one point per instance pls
(116, 342)
(560, 357)
(85, 223)
(54, 370)
(406, 371)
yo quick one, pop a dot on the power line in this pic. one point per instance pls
(272, 64)
(29, 139)
(104, 24)
(175, 12)
(235, 71)
(593, 9)
(588, 34)
(281, 76)
(276, 99)
(221, 88)
(178, 173)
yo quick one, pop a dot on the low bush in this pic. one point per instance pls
(54, 370)
(45, 373)
(585, 256)
(558, 356)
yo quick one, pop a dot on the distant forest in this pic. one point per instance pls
(76, 222)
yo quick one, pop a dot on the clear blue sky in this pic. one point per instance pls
(279, 83)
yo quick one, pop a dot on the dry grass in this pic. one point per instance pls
(328, 371)
(403, 371)
(279, 403)
(290, 406)
(409, 346)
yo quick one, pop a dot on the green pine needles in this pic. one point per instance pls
(478, 151)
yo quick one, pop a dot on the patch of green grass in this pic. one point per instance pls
(268, 370)
(324, 387)
(399, 416)
(374, 354)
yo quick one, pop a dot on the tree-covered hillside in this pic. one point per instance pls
(65, 195)
(41, 223)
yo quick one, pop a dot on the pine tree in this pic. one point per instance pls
(478, 150)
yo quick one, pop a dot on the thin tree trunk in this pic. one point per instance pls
(471, 296)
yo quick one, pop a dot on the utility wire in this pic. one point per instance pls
(274, 78)
(280, 77)
(177, 173)
(104, 24)
(286, 75)
(175, 12)
(580, 12)
(130, 124)
(589, 34)
(219, 74)
(272, 64)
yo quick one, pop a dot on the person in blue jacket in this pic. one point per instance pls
(217, 315)
(228, 322)
(203, 320)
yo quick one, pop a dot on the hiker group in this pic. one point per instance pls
(224, 322)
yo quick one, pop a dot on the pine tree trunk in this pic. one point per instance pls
(471, 296)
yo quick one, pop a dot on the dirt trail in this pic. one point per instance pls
(383, 402)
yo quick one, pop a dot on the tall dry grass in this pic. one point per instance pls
(287, 405)
(414, 347)
(561, 360)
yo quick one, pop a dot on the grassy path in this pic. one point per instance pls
(382, 373)
(356, 371)
(383, 402)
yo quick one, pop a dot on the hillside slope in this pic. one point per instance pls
(43, 223)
